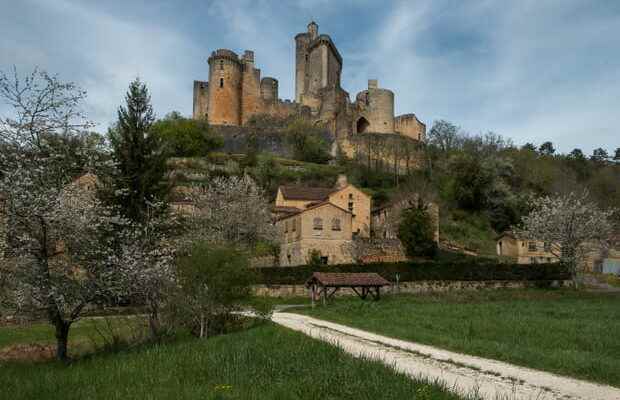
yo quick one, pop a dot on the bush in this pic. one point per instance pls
(186, 137)
(306, 142)
(469, 270)
(213, 281)
(417, 233)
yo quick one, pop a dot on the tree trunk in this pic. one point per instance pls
(62, 337)
(154, 320)
(202, 326)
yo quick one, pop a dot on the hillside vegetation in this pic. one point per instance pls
(482, 183)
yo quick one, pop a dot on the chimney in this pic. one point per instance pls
(342, 181)
(373, 84)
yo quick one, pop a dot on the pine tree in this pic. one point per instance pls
(138, 153)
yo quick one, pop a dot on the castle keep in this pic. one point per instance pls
(235, 92)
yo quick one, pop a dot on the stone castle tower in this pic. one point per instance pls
(235, 93)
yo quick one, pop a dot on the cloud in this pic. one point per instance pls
(528, 70)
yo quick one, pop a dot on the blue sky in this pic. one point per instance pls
(528, 70)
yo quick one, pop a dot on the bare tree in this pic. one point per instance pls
(570, 224)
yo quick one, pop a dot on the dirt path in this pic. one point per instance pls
(461, 373)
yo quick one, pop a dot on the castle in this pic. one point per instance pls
(235, 93)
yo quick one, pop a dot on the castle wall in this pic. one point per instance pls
(201, 100)
(409, 125)
(225, 79)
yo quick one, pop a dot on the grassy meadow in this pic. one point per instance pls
(562, 331)
(262, 362)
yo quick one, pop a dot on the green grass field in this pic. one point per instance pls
(84, 334)
(263, 362)
(567, 332)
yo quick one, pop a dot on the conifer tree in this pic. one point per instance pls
(140, 159)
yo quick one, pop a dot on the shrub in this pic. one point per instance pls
(186, 137)
(213, 281)
(306, 142)
(417, 233)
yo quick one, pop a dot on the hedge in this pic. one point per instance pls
(470, 270)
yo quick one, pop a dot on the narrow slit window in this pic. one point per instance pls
(221, 82)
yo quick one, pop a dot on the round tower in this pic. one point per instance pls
(225, 71)
(269, 89)
(376, 110)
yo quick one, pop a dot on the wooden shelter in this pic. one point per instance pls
(326, 284)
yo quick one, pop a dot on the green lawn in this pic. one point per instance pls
(84, 334)
(567, 332)
(263, 362)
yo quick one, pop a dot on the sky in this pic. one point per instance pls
(528, 70)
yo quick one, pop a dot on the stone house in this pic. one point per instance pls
(322, 219)
(324, 227)
(343, 195)
(525, 251)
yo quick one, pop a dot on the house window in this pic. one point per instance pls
(531, 246)
(532, 260)
(547, 247)
(221, 82)
(548, 259)
(351, 206)
(336, 224)
(350, 196)
(318, 224)
(324, 260)
(221, 65)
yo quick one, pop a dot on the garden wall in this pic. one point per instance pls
(411, 287)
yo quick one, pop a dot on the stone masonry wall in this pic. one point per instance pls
(404, 287)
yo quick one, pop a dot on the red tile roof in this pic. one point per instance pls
(347, 279)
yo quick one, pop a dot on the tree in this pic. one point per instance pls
(185, 137)
(61, 242)
(416, 232)
(577, 154)
(572, 224)
(144, 255)
(546, 149)
(444, 136)
(617, 154)
(213, 281)
(231, 210)
(471, 182)
(306, 142)
(528, 147)
(139, 155)
(599, 155)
